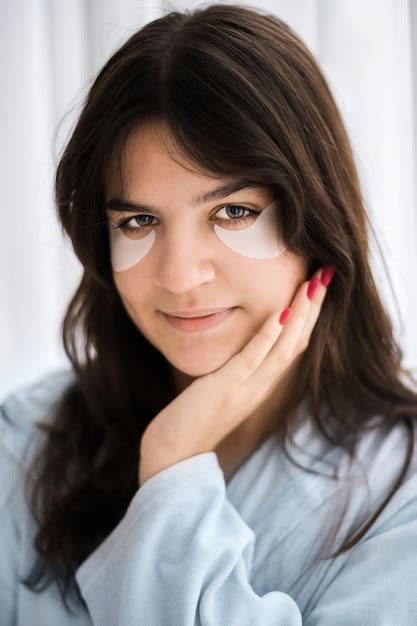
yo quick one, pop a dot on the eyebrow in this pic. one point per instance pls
(119, 204)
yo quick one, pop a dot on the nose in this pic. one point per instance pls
(184, 263)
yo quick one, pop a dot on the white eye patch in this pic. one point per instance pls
(260, 240)
(125, 252)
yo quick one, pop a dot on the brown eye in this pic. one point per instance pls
(123, 225)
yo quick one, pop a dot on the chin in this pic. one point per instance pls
(197, 362)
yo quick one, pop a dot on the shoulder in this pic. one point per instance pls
(365, 480)
(328, 485)
(24, 407)
(377, 478)
(312, 510)
(381, 457)
(386, 555)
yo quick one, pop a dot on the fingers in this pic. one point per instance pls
(295, 329)
(312, 318)
(296, 333)
(274, 345)
(243, 364)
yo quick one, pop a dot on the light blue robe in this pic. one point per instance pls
(194, 550)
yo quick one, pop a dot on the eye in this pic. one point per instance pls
(234, 220)
(238, 220)
(123, 224)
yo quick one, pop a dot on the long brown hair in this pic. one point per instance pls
(242, 96)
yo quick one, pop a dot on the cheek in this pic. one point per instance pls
(133, 289)
(267, 284)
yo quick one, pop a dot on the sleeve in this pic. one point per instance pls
(378, 582)
(181, 555)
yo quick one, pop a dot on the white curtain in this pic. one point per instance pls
(49, 53)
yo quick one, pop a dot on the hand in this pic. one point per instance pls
(215, 404)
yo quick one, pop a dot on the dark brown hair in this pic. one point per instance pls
(242, 96)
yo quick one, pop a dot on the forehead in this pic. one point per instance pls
(156, 173)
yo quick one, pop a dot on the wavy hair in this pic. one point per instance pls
(243, 97)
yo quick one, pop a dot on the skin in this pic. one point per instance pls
(185, 273)
(227, 396)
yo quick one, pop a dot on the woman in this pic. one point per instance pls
(210, 169)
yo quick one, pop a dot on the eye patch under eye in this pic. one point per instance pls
(125, 252)
(260, 240)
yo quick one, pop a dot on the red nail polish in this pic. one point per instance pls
(312, 287)
(285, 315)
(327, 275)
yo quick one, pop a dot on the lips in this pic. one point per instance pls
(202, 322)
(196, 312)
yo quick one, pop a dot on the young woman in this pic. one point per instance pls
(234, 443)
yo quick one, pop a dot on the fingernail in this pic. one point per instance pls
(327, 275)
(285, 315)
(312, 287)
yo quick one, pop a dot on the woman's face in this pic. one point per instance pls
(185, 265)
